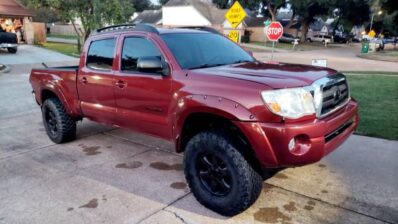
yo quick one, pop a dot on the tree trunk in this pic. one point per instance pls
(291, 22)
(336, 26)
(271, 11)
(304, 30)
(79, 37)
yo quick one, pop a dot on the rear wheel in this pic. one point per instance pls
(218, 174)
(12, 50)
(60, 127)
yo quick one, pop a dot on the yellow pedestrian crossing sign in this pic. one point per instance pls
(234, 35)
(235, 15)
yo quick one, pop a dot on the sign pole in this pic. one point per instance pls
(273, 32)
(272, 53)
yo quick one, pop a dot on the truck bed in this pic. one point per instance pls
(58, 80)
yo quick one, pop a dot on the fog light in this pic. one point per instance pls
(292, 144)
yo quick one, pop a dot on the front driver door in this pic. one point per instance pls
(142, 99)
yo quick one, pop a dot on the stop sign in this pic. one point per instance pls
(274, 31)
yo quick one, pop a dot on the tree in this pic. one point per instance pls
(92, 13)
(351, 13)
(391, 7)
(163, 2)
(307, 10)
(222, 4)
(272, 7)
(141, 5)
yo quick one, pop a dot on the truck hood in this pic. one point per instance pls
(274, 75)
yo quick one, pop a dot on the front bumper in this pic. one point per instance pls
(314, 139)
(5, 45)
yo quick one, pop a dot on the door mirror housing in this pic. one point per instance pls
(152, 65)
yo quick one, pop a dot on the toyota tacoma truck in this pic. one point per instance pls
(8, 41)
(231, 115)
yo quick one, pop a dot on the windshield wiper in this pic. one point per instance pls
(240, 61)
(207, 66)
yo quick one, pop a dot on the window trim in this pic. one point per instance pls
(138, 72)
(114, 56)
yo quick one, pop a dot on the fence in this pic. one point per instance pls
(64, 30)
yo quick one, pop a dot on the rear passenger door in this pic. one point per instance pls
(96, 82)
(142, 99)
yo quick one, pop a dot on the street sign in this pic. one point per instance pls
(267, 22)
(235, 15)
(234, 35)
(274, 31)
(372, 34)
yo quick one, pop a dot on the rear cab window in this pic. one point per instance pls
(100, 55)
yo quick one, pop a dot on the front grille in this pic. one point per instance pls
(335, 94)
(339, 130)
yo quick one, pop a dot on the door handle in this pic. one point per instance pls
(83, 80)
(120, 84)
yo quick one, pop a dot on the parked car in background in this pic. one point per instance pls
(340, 39)
(326, 39)
(8, 41)
(288, 38)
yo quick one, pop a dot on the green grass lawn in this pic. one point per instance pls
(68, 49)
(377, 96)
(301, 47)
(62, 36)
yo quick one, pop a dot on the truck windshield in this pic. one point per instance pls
(193, 50)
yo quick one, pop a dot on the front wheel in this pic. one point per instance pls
(12, 50)
(60, 127)
(218, 174)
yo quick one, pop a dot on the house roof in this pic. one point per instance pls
(13, 8)
(149, 16)
(206, 8)
(317, 25)
(251, 21)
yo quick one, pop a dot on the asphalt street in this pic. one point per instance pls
(111, 175)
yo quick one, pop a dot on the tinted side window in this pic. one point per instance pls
(134, 48)
(100, 54)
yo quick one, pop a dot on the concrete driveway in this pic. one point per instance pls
(342, 58)
(112, 175)
(28, 54)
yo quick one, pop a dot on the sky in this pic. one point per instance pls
(154, 1)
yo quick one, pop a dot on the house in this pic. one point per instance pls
(149, 16)
(192, 13)
(15, 18)
(319, 27)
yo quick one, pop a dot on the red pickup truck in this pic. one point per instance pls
(231, 115)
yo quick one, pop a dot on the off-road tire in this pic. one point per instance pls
(246, 182)
(12, 50)
(65, 125)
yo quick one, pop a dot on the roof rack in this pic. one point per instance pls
(203, 28)
(122, 27)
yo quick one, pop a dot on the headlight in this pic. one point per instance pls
(291, 103)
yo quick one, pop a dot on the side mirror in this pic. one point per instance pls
(152, 65)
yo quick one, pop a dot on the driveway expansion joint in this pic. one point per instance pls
(331, 204)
